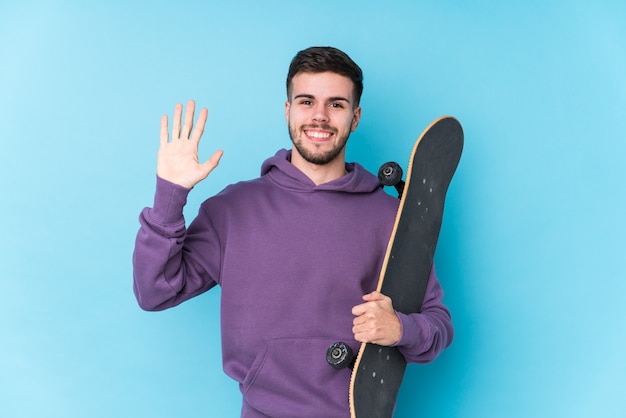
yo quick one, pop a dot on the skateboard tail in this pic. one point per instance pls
(432, 165)
(378, 371)
(383, 386)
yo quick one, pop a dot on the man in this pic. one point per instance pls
(297, 251)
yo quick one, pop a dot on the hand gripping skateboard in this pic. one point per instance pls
(377, 371)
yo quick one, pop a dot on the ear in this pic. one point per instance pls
(287, 107)
(356, 118)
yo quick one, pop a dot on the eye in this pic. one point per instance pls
(336, 105)
(306, 102)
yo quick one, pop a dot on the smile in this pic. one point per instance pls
(318, 134)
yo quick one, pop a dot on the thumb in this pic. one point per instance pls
(212, 162)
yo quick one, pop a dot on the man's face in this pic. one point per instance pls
(321, 114)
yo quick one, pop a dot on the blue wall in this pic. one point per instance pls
(532, 253)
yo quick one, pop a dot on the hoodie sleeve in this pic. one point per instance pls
(426, 334)
(164, 271)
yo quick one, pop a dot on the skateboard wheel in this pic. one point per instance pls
(340, 355)
(390, 174)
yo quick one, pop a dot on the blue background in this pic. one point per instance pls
(532, 252)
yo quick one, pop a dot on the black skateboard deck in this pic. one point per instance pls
(378, 371)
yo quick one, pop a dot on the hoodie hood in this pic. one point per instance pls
(279, 170)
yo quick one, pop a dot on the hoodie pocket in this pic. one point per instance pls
(291, 378)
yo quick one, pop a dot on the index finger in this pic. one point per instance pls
(375, 295)
(198, 130)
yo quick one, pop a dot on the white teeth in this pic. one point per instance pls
(318, 135)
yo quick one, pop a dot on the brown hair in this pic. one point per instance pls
(320, 59)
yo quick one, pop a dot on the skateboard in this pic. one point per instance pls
(377, 371)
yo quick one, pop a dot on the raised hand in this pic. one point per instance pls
(178, 158)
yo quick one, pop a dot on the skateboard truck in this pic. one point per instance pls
(390, 174)
(340, 355)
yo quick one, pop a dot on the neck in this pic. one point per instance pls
(320, 174)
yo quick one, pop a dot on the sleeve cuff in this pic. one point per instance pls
(413, 330)
(169, 201)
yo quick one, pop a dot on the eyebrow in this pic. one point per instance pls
(330, 99)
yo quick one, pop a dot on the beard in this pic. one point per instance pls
(313, 156)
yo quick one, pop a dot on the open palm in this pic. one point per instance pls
(178, 158)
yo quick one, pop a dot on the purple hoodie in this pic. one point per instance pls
(292, 259)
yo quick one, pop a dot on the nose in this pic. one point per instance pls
(320, 113)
